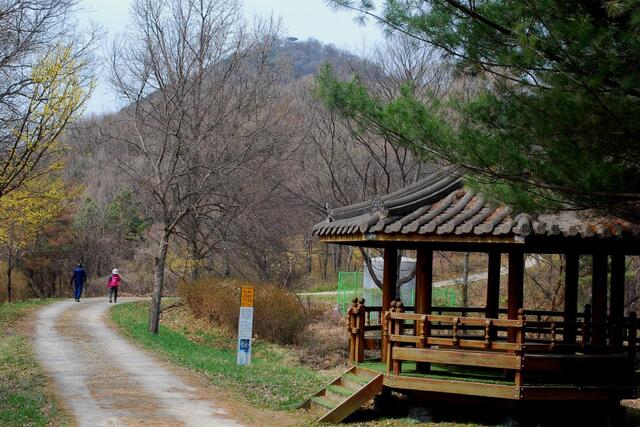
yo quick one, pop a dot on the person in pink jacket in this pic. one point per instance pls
(112, 284)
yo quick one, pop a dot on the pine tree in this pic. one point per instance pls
(555, 124)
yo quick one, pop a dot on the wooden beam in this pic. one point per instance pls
(493, 285)
(617, 298)
(485, 359)
(599, 298)
(515, 291)
(577, 393)
(477, 344)
(452, 386)
(530, 244)
(578, 364)
(430, 238)
(389, 280)
(571, 274)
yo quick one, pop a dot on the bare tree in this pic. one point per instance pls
(195, 79)
(342, 164)
(45, 77)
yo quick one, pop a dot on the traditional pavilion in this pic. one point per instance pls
(505, 353)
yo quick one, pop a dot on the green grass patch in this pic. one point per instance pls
(323, 287)
(274, 379)
(23, 397)
(328, 299)
(12, 312)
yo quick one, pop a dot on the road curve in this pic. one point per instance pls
(106, 381)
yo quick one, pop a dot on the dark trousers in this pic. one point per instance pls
(77, 291)
(113, 294)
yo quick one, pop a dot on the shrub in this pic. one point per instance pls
(278, 316)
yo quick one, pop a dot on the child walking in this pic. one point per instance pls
(112, 284)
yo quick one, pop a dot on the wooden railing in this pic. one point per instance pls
(356, 329)
(459, 346)
(540, 323)
(544, 333)
(373, 313)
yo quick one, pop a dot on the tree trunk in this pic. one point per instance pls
(195, 268)
(465, 280)
(9, 283)
(309, 244)
(337, 258)
(326, 261)
(227, 267)
(159, 264)
(31, 282)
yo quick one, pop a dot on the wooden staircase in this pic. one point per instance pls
(344, 395)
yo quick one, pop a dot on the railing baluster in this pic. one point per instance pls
(586, 328)
(520, 339)
(487, 333)
(390, 330)
(633, 336)
(454, 331)
(399, 330)
(351, 326)
(360, 331)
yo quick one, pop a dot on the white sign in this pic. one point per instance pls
(245, 327)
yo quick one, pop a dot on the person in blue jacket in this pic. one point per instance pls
(79, 278)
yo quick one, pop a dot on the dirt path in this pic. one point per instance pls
(106, 381)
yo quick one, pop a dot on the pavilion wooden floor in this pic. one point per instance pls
(455, 380)
(442, 372)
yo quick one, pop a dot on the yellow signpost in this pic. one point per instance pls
(246, 298)
(245, 325)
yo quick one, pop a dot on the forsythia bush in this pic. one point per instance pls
(278, 315)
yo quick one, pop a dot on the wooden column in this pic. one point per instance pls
(389, 279)
(617, 299)
(515, 288)
(599, 298)
(424, 281)
(571, 273)
(424, 296)
(493, 286)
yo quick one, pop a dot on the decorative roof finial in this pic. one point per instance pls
(328, 208)
(377, 206)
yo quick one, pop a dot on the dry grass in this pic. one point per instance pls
(312, 330)
(279, 315)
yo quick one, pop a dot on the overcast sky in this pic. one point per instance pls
(300, 18)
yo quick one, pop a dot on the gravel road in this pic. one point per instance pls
(105, 381)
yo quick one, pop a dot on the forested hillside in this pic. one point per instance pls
(221, 155)
(282, 157)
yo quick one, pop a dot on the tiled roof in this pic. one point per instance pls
(440, 205)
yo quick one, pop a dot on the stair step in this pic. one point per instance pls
(365, 373)
(355, 378)
(324, 402)
(350, 385)
(344, 395)
(333, 397)
(351, 403)
(339, 391)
